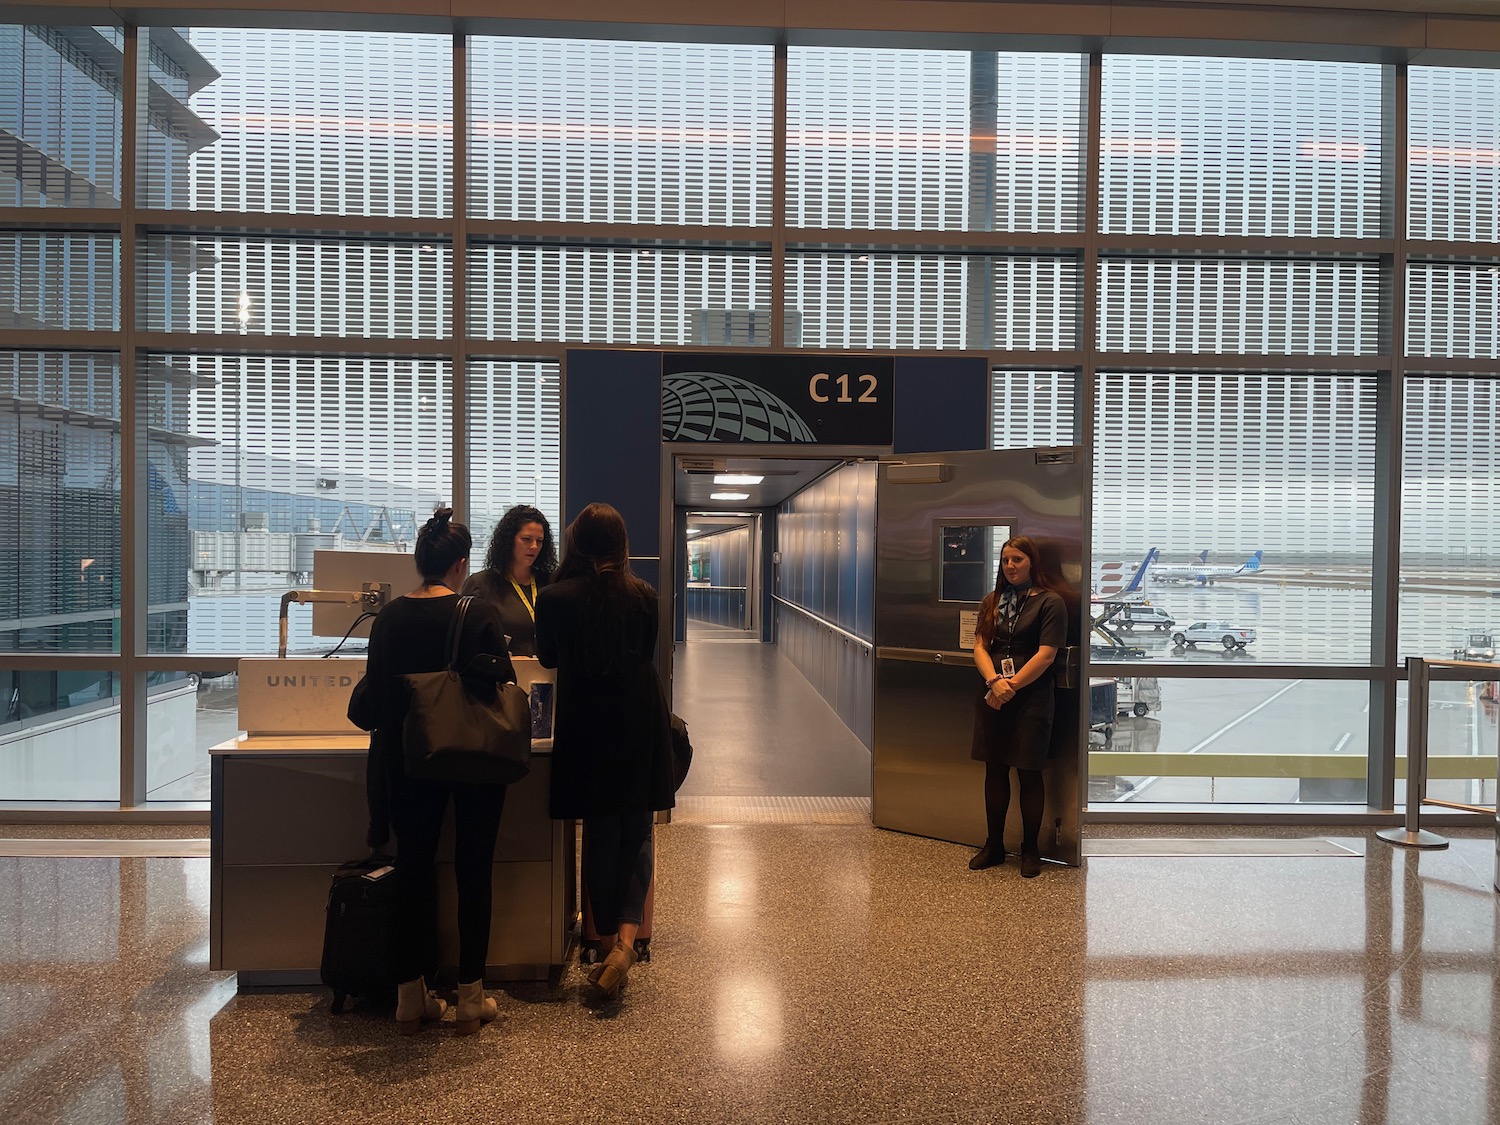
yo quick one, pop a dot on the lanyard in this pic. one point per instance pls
(529, 603)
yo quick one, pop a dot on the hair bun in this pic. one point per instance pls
(441, 517)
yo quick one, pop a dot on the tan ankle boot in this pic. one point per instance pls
(611, 978)
(474, 1008)
(414, 1005)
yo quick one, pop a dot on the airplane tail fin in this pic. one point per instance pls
(1139, 577)
(1253, 562)
(1202, 558)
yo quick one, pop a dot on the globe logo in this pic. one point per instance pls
(709, 406)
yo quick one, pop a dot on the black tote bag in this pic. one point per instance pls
(453, 733)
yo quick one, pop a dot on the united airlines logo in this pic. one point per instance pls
(310, 681)
(708, 406)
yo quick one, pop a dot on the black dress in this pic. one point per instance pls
(1019, 732)
(520, 623)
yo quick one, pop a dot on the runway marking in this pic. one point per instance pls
(1342, 742)
(1150, 781)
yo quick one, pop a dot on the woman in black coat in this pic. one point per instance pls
(611, 758)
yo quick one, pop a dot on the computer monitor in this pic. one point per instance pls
(350, 570)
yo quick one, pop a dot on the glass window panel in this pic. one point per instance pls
(1225, 466)
(60, 115)
(59, 735)
(609, 294)
(310, 122)
(59, 279)
(1231, 741)
(1453, 309)
(186, 714)
(866, 300)
(1254, 306)
(934, 140)
(1031, 408)
(1217, 146)
(295, 286)
(281, 456)
(515, 440)
(587, 131)
(59, 502)
(1453, 173)
(1450, 530)
(1461, 740)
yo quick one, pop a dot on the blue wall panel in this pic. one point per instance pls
(612, 412)
(942, 402)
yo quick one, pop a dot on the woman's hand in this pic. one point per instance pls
(1003, 690)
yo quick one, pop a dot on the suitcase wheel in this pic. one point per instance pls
(338, 1003)
(588, 955)
(643, 949)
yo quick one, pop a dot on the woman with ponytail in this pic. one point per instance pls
(411, 635)
(596, 623)
(1022, 625)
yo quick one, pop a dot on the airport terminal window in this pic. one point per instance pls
(249, 460)
(280, 286)
(305, 122)
(59, 280)
(1450, 530)
(934, 140)
(1453, 309)
(618, 295)
(281, 455)
(1453, 172)
(1259, 305)
(868, 300)
(514, 420)
(1218, 146)
(592, 131)
(1258, 492)
(62, 112)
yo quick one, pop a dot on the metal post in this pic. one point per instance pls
(1411, 835)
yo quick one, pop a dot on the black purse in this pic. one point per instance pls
(682, 753)
(451, 733)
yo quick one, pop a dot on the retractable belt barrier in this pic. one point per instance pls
(1411, 834)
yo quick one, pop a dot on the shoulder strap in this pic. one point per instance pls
(456, 630)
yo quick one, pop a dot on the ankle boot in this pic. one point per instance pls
(612, 974)
(1031, 863)
(415, 1005)
(991, 855)
(473, 1009)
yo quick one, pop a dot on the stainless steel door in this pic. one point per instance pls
(940, 519)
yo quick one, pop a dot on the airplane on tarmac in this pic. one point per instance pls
(1206, 575)
(1132, 591)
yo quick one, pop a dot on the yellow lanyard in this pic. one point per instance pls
(529, 603)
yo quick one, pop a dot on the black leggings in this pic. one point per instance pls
(997, 803)
(617, 868)
(417, 810)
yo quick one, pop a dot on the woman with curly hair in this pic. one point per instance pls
(520, 561)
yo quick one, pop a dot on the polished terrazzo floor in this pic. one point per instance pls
(810, 968)
(814, 973)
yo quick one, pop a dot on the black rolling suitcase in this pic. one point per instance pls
(359, 937)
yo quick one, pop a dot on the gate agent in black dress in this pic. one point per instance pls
(1023, 623)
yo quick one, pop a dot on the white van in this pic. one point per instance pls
(1152, 616)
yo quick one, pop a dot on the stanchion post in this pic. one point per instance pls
(1412, 835)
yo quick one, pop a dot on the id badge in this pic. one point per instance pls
(1007, 667)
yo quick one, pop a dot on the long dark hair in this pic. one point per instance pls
(441, 543)
(596, 551)
(503, 542)
(1042, 578)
